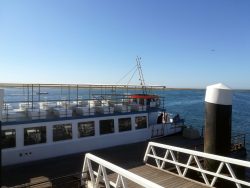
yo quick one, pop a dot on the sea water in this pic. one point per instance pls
(191, 106)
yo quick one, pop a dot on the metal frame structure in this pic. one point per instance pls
(101, 174)
(33, 94)
(194, 163)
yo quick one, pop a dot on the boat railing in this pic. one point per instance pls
(162, 156)
(104, 168)
(28, 102)
(70, 180)
(56, 109)
(238, 142)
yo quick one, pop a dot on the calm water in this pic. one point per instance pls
(190, 104)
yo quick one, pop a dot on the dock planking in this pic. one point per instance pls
(160, 177)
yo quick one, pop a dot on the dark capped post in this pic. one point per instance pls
(218, 117)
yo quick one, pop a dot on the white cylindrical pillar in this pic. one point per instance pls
(218, 117)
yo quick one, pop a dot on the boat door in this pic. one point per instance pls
(159, 126)
(157, 130)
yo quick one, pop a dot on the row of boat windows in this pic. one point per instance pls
(37, 135)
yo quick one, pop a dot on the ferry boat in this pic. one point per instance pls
(78, 118)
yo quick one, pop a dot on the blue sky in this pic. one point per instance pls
(183, 43)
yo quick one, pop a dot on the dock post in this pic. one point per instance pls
(218, 117)
(1, 103)
(218, 120)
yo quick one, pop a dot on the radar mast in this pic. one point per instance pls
(141, 78)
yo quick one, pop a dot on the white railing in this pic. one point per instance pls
(100, 175)
(194, 163)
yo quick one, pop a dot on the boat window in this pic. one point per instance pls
(8, 138)
(141, 101)
(140, 122)
(86, 129)
(106, 126)
(34, 135)
(62, 132)
(124, 124)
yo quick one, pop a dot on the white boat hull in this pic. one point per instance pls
(21, 153)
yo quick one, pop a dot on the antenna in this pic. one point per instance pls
(138, 63)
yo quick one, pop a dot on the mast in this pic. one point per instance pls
(141, 78)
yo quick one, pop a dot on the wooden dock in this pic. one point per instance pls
(130, 157)
(163, 178)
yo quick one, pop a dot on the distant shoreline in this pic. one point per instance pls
(152, 87)
(172, 88)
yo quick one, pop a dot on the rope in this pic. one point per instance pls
(132, 76)
(126, 74)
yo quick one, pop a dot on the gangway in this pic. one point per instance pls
(155, 172)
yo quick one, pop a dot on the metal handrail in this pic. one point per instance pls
(53, 180)
(197, 166)
(110, 86)
(101, 174)
(239, 138)
(30, 94)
